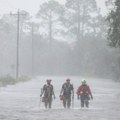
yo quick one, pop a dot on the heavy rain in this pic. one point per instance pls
(60, 60)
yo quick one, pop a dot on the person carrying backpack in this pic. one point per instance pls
(48, 91)
(84, 93)
(66, 91)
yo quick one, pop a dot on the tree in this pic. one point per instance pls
(50, 12)
(113, 19)
(109, 4)
(79, 16)
(114, 25)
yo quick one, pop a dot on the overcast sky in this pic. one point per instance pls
(32, 6)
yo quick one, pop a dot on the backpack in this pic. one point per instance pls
(48, 90)
(67, 89)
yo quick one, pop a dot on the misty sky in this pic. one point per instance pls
(32, 6)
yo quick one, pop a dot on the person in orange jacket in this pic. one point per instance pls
(84, 94)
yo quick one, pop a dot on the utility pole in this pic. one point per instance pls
(32, 49)
(17, 52)
(18, 14)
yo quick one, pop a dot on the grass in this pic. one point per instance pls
(9, 80)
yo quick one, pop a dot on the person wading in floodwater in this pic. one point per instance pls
(84, 94)
(48, 91)
(65, 93)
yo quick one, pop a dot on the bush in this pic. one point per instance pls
(9, 80)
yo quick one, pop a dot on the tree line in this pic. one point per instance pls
(65, 39)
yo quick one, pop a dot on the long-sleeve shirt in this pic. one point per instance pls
(84, 89)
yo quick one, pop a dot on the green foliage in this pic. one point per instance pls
(114, 25)
(58, 22)
(48, 7)
(9, 80)
(50, 14)
(79, 19)
(79, 4)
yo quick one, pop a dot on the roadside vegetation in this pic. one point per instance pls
(9, 80)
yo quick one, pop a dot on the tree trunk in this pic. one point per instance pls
(78, 27)
(50, 29)
(83, 22)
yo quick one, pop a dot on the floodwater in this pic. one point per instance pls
(22, 101)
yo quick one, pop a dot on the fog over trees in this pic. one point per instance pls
(64, 39)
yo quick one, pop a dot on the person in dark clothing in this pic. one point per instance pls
(66, 91)
(48, 91)
(84, 93)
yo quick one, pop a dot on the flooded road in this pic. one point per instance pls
(22, 101)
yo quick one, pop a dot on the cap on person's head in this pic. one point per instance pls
(68, 79)
(48, 80)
